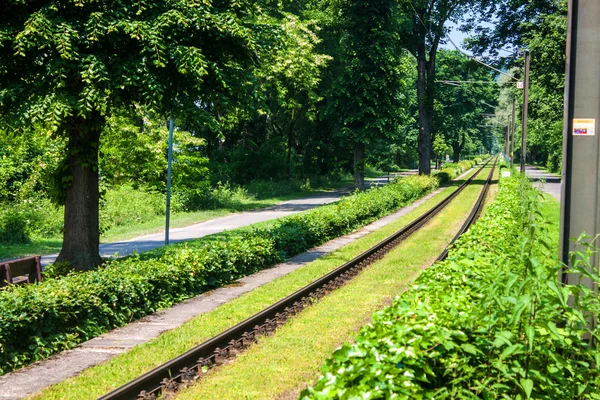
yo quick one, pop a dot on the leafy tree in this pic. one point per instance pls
(459, 109)
(541, 26)
(291, 76)
(423, 30)
(440, 148)
(364, 100)
(547, 45)
(67, 66)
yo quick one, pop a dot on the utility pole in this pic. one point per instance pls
(169, 162)
(512, 133)
(507, 142)
(580, 211)
(525, 111)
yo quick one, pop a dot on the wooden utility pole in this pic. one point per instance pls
(525, 111)
(512, 132)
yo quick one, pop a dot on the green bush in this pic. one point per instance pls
(39, 320)
(126, 205)
(490, 322)
(14, 227)
(270, 189)
(22, 220)
(450, 171)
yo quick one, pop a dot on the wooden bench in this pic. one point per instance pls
(21, 271)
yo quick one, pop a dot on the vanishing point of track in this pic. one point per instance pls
(166, 379)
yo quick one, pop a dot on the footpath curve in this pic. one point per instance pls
(545, 181)
(144, 243)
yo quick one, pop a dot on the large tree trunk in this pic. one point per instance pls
(359, 166)
(456, 153)
(81, 235)
(424, 138)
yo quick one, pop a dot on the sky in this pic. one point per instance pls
(457, 37)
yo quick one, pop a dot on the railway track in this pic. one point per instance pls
(165, 380)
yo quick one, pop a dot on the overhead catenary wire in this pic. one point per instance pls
(474, 82)
(479, 61)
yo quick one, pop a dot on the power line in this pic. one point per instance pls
(480, 62)
(475, 82)
(457, 48)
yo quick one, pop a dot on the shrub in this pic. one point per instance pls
(14, 227)
(39, 320)
(270, 189)
(490, 322)
(125, 205)
(450, 171)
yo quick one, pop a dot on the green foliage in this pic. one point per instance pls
(547, 45)
(541, 26)
(39, 320)
(27, 163)
(440, 147)
(490, 322)
(20, 221)
(450, 171)
(14, 227)
(98, 58)
(458, 109)
(57, 270)
(125, 205)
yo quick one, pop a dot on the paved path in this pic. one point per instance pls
(551, 185)
(40, 375)
(237, 220)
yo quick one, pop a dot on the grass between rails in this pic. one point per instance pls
(293, 357)
(105, 377)
(53, 243)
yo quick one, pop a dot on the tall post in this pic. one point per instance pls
(169, 163)
(580, 211)
(512, 132)
(507, 141)
(525, 111)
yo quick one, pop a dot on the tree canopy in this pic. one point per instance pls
(259, 90)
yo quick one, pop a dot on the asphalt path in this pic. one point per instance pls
(144, 243)
(545, 181)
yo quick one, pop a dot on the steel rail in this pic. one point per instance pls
(189, 366)
(473, 215)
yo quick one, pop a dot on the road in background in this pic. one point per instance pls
(545, 181)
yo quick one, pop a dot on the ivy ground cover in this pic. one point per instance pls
(490, 322)
(39, 320)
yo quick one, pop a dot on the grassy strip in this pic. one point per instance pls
(293, 357)
(100, 379)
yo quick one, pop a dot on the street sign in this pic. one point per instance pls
(520, 85)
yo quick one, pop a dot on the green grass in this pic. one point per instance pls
(44, 245)
(107, 376)
(550, 208)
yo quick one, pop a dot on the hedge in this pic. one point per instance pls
(490, 322)
(450, 171)
(39, 320)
